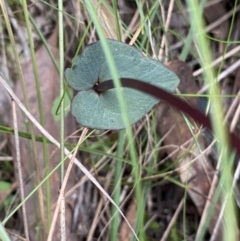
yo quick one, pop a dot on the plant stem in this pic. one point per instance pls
(169, 98)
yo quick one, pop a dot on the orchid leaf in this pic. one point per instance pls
(102, 110)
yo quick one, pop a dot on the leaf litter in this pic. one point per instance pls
(199, 175)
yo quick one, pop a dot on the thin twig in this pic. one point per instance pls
(173, 220)
(219, 221)
(19, 168)
(99, 212)
(220, 217)
(218, 60)
(61, 198)
(19, 30)
(208, 203)
(166, 25)
(131, 27)
(221, 76)
(210, 26)
(235, 119)
(98, 167)
(66, 151)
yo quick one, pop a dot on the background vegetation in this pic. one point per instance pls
(172, 179)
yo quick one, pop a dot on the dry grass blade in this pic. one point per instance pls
(64, 183)
(19, 168)
(198, 176)
(66, 151)
(179, 172)
(173, 220)
(49, 89)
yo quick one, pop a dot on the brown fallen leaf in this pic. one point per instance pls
(125, 232)
(198, 175)
(49, 87)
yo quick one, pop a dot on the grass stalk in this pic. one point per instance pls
(219, 128)
(14, 48)
(62, 107)
(42, 121)
(115, 9)
(123, 108)
(117, 187)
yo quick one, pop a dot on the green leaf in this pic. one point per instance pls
(102, 111)
(3, 234)
(67, 101)
(4, 186)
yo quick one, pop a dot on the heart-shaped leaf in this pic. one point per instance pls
(102, 110)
